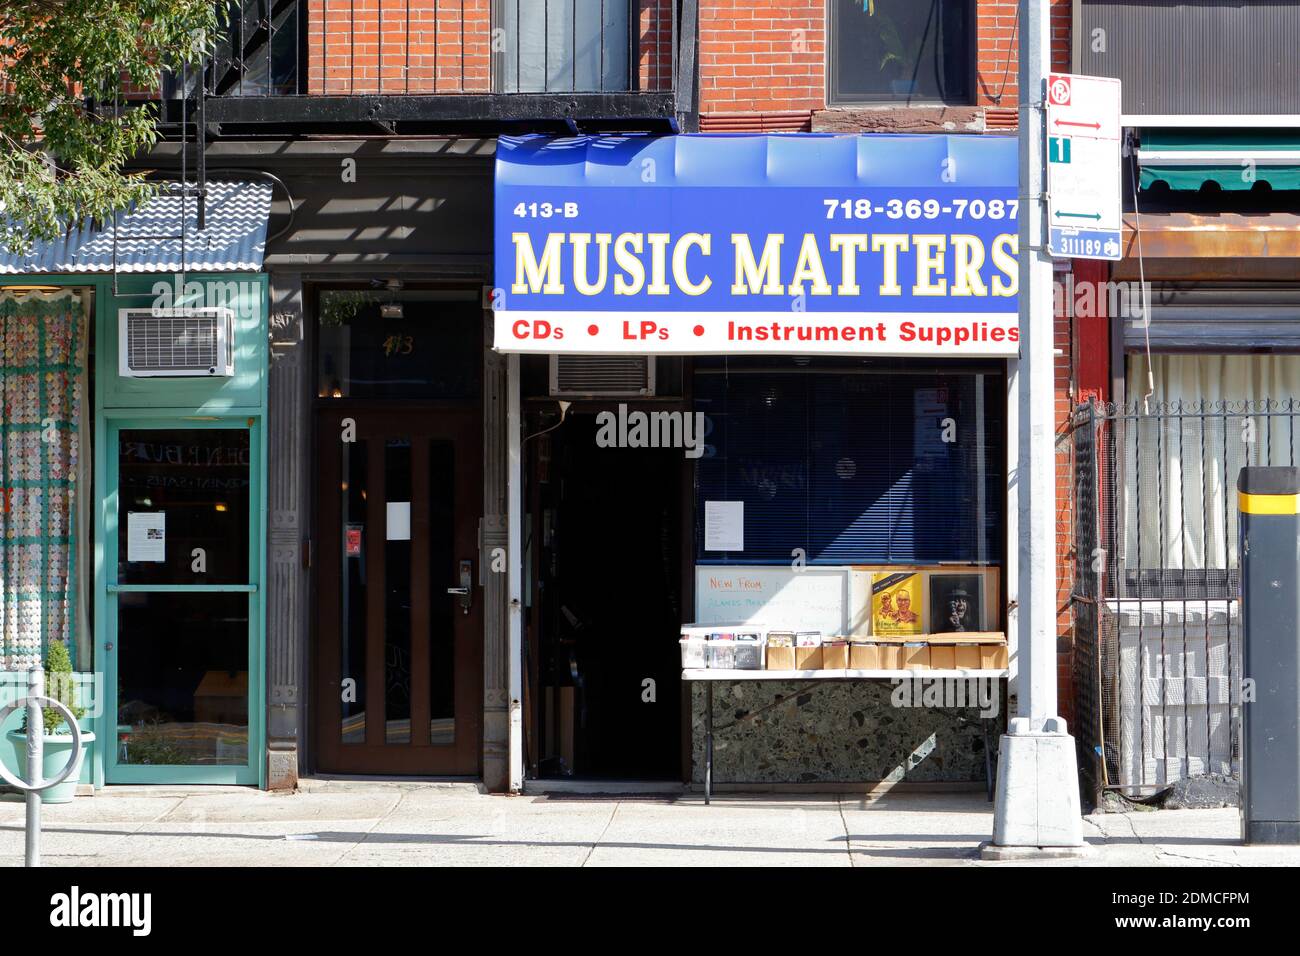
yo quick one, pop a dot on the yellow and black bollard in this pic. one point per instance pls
(1269, 531)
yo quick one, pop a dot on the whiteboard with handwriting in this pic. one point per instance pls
(810, 600)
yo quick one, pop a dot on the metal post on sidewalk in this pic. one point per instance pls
(36, 782)
(35, 762)
(1037, 806)
(1269, 531)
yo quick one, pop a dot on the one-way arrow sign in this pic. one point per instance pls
(1083, 166)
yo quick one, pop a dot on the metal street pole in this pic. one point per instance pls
(1037, 805)
(1037, 502)
(514, 573)
(35, 762)
(36, 780)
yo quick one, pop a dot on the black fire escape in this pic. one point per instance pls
(292, 67)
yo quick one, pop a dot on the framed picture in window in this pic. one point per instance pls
(956, 603)
(896, 607)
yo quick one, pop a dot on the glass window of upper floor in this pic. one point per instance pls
(901, 51)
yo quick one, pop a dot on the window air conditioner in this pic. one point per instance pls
(154, 343)
(602, 376)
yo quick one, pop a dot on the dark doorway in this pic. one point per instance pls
(608, 605)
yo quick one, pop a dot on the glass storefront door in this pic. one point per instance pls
(183, 606)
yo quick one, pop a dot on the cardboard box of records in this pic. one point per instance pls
(969, 651)
(780, 650)
(796, 651)
(806, 651)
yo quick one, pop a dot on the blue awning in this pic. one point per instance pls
(233, 238)
(739, 160)
(718, 244)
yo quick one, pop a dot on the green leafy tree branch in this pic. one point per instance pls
(63, 63)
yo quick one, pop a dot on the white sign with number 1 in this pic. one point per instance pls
(1084, 204)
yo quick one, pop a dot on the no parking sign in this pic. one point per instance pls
(1083, 167)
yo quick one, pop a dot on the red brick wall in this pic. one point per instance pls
(1082, 372)
(995, 53)
(766, 57)
(1064, 396)
(755, 56)
(762, 55)
(997, 25)
(367, 46)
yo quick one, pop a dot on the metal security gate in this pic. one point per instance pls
(1155, 597)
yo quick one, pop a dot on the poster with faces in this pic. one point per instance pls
(956, 603)
(897, 604)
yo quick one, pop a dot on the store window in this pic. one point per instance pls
(901, 51)
(183, 697)
(195, 481)
(852, 462)
(183, 591)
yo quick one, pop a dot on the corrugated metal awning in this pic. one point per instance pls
(233, 240)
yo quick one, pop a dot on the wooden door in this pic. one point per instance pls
(399, 607)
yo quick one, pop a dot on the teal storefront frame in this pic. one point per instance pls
(240, 401)
(109, 596)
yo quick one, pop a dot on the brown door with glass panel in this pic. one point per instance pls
(399, 608)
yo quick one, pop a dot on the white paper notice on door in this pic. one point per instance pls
(399, 521)
(146, 536)
(724, 526)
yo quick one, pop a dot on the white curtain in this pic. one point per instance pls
(1180, 474)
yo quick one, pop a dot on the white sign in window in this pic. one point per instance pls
(146, 536)
(724, 526)
(399, 521)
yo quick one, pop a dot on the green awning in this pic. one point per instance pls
(1234, 159)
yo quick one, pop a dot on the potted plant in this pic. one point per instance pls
(895, 58)
(57, 746)
(896, 55)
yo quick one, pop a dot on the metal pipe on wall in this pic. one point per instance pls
(515, 576)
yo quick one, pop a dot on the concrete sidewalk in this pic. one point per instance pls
(332, 823)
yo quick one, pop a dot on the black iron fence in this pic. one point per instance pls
(1156, 571)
